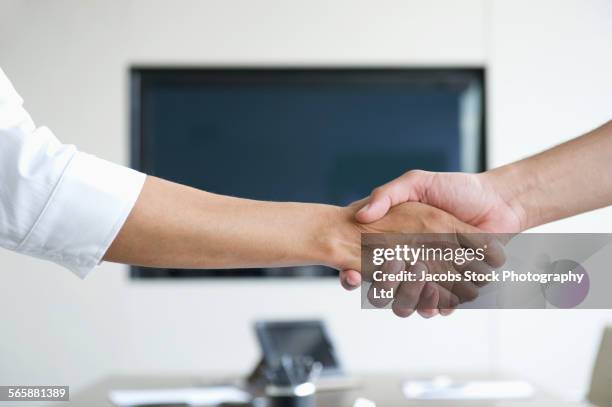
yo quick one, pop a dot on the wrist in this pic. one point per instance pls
(338, 240)
(514, 187)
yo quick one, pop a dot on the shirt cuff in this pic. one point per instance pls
(84, 214)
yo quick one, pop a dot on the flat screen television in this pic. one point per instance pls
(325, 135)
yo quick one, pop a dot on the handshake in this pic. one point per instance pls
(566, 180)
(173, 226)
(460, 206)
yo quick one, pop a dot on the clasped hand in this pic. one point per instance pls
(390, 210)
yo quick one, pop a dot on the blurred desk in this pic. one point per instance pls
(384, 389)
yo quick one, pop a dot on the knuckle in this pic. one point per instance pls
(378, 191)
(437, 218)
(415, 173)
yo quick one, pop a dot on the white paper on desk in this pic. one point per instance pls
(193, 396)
(467, 390)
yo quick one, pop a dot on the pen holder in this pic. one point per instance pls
(301, 395)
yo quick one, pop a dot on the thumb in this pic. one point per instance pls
(375, 208)
(350, 279)
(400, 190)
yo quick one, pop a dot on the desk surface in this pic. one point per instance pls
(384, 390)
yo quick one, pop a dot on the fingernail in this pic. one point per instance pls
(429, 292)
(364, 209)
(352, 280)
(427, 313)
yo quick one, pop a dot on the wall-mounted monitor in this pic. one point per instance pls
(325, 135)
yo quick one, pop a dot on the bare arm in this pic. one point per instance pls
(566, 180)
(172, 225)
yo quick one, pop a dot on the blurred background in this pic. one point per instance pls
(546, 68)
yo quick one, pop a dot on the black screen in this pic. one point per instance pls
(315, 135)
(297, 339)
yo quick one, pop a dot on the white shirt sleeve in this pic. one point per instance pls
(57, 203)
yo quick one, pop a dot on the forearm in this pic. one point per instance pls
(176, 226)
(566, 180)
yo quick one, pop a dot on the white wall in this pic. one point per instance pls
(550, 64)
(548, 80)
